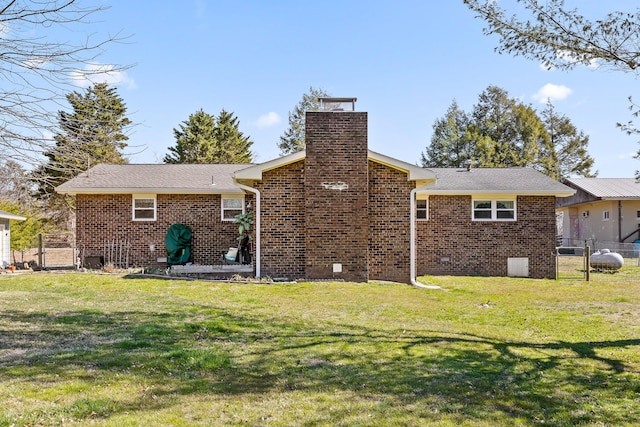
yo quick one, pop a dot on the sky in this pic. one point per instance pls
(405, 61)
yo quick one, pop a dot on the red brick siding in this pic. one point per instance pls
(389, 221)
(482, 248)
(282, 221)
(337, 224)
(107, 218)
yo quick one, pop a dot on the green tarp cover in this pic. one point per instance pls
(178, 244)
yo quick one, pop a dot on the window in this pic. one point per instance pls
(494, 210)
(637, 214)
(232, 206)
(422, 209)
(144, 208)
(605, 215)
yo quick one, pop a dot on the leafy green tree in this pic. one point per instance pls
(24, 233)
(563, 38)
(451, 143)
(92, 133)
(204, 138)
(292, 139)
(568, 147)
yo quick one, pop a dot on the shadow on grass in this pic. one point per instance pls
(407, 374)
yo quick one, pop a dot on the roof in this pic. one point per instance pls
(608, 188)
(155, 178)
(7, 215)
(516, 181)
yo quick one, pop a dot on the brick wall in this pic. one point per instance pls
(450, 243)
(107, 218)
(337, 225)
(389, 223)
(282, 221)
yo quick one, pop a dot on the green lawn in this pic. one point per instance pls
(105, 350)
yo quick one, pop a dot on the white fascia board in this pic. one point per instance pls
(489, 193)
(414, 173)
(11, 216)
(255, 172)
(164, 190)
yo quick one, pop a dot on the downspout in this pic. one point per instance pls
(256, 223)
(412, 245)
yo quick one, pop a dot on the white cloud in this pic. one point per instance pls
(268, 120)
(552, 92)
(102, 73)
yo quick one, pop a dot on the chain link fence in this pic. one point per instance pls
(571, 260)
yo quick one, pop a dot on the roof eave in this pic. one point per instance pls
(164, 190)
(255, 172)
(494, 192)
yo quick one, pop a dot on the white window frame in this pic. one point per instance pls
(494, 209)
(224, 209)
(135, 209)
(424, 209)
(605, 215)
(638, 215)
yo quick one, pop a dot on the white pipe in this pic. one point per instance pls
(412, 245)
(256, 223)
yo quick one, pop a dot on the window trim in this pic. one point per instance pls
(135, 197)
(494, 209)
(425, 209)
(223, 209)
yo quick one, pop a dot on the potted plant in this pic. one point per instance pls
(245, 235)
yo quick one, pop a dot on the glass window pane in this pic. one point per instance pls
(144, 214)
(144, 203)
(504, 204)
(482, 214)
(482, 204)
(231, 213)
(505, 214)
(421, 214)
(232, 203)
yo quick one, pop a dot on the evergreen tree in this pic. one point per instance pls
(568, 147)
(451, 142)
(292, 139)
(93, 133)
(503, 132)
(203, 138)
(512, 132)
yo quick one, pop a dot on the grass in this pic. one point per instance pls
(105, 350)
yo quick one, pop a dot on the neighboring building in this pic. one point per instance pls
(601, 210)
(334, 211)
(5, 240)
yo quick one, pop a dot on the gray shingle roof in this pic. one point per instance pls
(495, 180)
(608, 188)
(160, 178)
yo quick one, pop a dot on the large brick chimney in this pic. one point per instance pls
(336, 192)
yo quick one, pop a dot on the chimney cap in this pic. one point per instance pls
(337, 104)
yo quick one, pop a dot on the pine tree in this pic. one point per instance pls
(204, 138)
(93, 133)
(568, 147)
(451, 143)
(293, 138)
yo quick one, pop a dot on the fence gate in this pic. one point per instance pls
(571, 263)
(57, 251)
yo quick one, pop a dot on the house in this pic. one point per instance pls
(5, 241)
(601, 210)
(334, 211)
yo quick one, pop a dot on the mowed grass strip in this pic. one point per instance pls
(106, 350)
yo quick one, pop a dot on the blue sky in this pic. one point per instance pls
(405, 61)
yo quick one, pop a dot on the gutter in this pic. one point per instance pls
(412, 245)
(256, 223)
